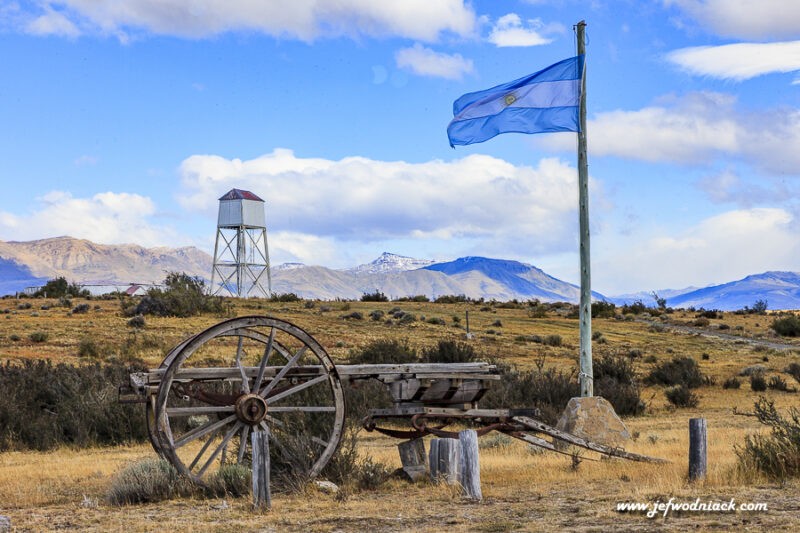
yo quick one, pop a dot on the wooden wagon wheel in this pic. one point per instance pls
(242, 375)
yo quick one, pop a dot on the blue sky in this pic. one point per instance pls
(125, 121)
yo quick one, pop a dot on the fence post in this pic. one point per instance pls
(697, 449)
(470, 464)
(262, 498)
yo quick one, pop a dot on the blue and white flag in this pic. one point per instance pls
(542, 102)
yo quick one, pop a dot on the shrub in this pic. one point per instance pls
(779, 384)
(376, 296)
(416, 298)
(603, 310)
(407, 318)
(447, 351)
(452, 299)
(376, 315)
(23, 306)
(751, 370)
(731, 383)
(793, 370)
(45, 405)
(285, 297)
(758, 383)
(148, 481)
(136, 321)
(788, 326)
(776, 455)
(497, 324)
(436, 321)
(38, 336)
(59, 287)
(184, 296)
(678, 371)
(636, 308)
(88, 348)
(615, 380)
(81, 308)
(355, 315)
(681, 396)
(552, 340)
(383, 351)
(548, 390)
(701, 322)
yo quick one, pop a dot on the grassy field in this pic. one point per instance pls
(65, 488)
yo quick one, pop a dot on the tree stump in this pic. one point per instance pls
(413, 459)
(470, 464)
(262, 499)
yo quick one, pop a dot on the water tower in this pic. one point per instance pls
(241, 257)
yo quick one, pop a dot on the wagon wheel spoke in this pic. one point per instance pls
(292, 362)
(263, 365)
(243, 444)
(298, 388)
(203, 431)
(245, 379)
(224, 444)
(205, 447)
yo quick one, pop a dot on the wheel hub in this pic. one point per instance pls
(251, 409)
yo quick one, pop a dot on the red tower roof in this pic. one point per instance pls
(239, 194)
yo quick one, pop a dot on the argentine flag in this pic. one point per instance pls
(542, 102)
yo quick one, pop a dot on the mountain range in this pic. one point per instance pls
(26, 264)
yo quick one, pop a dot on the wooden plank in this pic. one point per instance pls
(262, 498)
(541, 427)
(697, 449)
(413, 459)
(450, 454)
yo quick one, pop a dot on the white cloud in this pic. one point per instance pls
(426, 62)
(720, 248)
(729, 187)
(740, 61)
(109, 218)
(479, 199)
(306, 20)
(694, 129)
(745, 19)
(52, 22)
(510, 31)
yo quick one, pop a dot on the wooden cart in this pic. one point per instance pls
(254, 372)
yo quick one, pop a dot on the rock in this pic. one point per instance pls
(593, 418)
(328, 487)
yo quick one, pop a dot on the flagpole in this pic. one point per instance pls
(586, 375)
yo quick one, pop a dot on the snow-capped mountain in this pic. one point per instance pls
(781, 290)
(388, 262)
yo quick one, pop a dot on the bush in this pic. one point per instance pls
(45, 405)
(59, 287)
(376, 315)
(793, 370)
(81, 308)
(548, 390)
(452, 299)
(39, 336)
(788, 326)
(679, 371)
(731, 383)
(552, 340)
(447, 351)
(285, 297)
(681, 396)
(376, 296)
(148, 481)
(355, 315)
(776, 455)
(88, 348)
(758, 383)
(137, 322)
(383, 351)
(636, 308)
(436, 321)
(615, 380)
(184, 296)
(603, 310)
(779, 384)
(421, 298)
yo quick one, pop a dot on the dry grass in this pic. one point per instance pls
(523, 491)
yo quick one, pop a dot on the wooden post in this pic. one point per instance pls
(586, 376)
(413, 459)
(449, 454)
(697, 449)
(433, 459)
(470, 464)
(262, 498)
